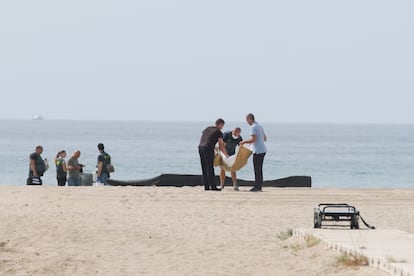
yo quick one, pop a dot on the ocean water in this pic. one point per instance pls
(335, 156)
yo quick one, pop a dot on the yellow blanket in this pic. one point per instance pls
(240, 161)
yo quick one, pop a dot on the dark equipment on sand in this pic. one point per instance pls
(337, 212)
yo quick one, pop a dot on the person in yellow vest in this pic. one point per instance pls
(61, 169)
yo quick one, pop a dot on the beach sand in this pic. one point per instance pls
(178, 231)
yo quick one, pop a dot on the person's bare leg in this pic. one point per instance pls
(222, 178)
(234, 180)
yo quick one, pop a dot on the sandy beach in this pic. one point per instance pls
(178, 231)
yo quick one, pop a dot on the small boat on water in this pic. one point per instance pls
(38, 117)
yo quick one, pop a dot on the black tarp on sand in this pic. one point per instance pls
(180, 180)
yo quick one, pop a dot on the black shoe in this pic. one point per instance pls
(206, 188)
(215, 189)
(254, 189)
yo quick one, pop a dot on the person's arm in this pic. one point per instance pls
(225, 138)
(33, 167)
(265, 138)
(64, 168)
(222, 147)
(252, 140)
(100, 166)
(72, 168)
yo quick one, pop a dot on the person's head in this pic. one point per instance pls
(76, 154)
(236, 132)
(220, 123)
(39, 149)
(62, 154)
(250, 118)
(101, 147)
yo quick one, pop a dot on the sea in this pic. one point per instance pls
(334, 155)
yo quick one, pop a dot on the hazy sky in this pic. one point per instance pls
(285, 61)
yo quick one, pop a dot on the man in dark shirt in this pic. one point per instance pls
(104, 159)
(210, 137)
(231, 141)
(36, 168)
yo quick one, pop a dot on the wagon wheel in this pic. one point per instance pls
(355, 222)
(317, 220)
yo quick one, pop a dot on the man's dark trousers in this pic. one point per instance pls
(258, 170)
(207, 166)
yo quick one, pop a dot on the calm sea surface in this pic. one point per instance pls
(337, 156)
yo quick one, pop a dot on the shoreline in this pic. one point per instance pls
(227, 187)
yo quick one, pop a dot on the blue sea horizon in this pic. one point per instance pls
(334, 155)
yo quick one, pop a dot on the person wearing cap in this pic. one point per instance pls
(104, 159)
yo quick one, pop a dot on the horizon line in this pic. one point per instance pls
(208, 121)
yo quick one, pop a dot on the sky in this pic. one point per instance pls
(285, 61)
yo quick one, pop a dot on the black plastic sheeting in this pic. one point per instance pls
(180, 180)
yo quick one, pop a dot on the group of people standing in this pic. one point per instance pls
(227, 143)
(69, 172)
(73, 168)
(211, 136)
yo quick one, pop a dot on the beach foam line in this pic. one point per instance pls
(391, 251)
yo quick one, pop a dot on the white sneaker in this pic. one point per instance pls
(236, 187)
